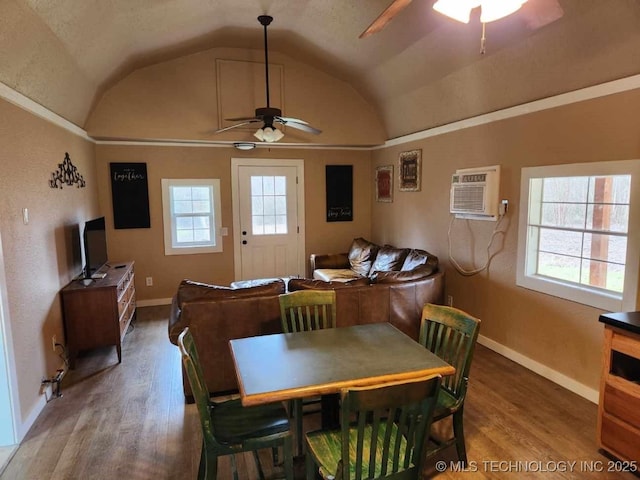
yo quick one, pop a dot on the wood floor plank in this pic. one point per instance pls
(129, 421)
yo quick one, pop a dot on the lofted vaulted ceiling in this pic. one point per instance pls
(421, 71)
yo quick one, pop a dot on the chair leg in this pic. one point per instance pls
(287, 453)
(202, 468)
(258, 464)
(274, 454)
(234, 467)
(208, 469)
(310, 467)
(298, 414)
(458, 432)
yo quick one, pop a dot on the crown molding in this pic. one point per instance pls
(581, 95)
(16, 98)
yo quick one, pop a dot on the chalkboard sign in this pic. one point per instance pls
(130, 195)
(339, 193)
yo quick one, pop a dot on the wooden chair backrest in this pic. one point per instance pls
(386, 426)
(451, 334)
(305, 310)
(198, 386)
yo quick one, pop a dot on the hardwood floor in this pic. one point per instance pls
(129, 421)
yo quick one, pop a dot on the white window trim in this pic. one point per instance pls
(169, 249)
(584, 294)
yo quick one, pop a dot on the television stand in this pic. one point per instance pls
(97, 312)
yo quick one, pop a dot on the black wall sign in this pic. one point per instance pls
(130, 195)
(339, 193)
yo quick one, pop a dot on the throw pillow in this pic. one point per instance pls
(361, 256)
(394, 277)
(389, 258)
(417, 257)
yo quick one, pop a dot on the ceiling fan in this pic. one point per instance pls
(536, 13)
(269, 115)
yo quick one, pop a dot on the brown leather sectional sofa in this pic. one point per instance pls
(216, 315)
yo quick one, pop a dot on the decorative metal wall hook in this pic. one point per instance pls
(67, 174)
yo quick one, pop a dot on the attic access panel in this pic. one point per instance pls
(240, 87)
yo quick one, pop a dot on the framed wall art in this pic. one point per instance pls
(409, 170)
(339, 185)
(384, 183)
(130, 195)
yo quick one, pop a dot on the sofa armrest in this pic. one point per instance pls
(332, 260)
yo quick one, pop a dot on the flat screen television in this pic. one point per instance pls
(95, 247)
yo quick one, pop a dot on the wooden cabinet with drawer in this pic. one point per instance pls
(97, 313)
(619, 407)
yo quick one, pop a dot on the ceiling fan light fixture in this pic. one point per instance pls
(459, 10)
(268, 134)
(491, 10)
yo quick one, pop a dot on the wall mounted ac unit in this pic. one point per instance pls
(475, 193)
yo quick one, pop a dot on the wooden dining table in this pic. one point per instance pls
(286, 366)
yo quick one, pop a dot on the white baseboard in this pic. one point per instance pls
(22, 428)
(154, 302)
(550, 374)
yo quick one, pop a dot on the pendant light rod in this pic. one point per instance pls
(264, 21)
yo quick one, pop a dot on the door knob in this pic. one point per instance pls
(244, 242)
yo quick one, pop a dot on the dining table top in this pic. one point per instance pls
(286, 366)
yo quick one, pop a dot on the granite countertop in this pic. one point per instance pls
(629, 321)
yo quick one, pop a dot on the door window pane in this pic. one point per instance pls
(268, 205)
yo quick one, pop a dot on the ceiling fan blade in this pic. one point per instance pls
(253, 120)
(538, 13)
(299, 124)
(385, 17)
(243, 119)
(284, 120)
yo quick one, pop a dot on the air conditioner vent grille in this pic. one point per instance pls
(469, 198)
(475, 193)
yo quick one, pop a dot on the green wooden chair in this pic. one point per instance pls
(382, 434)
(228, 427)
(451, 334)
(301, 311)
(306, 310)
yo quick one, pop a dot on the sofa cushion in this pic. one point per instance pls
(417, 257)
(400, 276)
(361, 256)
(335, 274)
(189, 291)
(308, 284)
(389, 258)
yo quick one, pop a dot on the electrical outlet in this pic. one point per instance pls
(149, 282)
(504, 206)
(450, 300)
(53, 343)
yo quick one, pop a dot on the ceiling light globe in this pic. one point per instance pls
(459, 10)
(271, 134)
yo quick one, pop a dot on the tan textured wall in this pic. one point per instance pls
(36, 63)
(560, 334)
(177, 99)
(38, 257)
(146, 246)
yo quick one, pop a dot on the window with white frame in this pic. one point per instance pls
(578, 235)
(191, 213)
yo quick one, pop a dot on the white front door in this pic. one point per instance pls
(267, 227)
